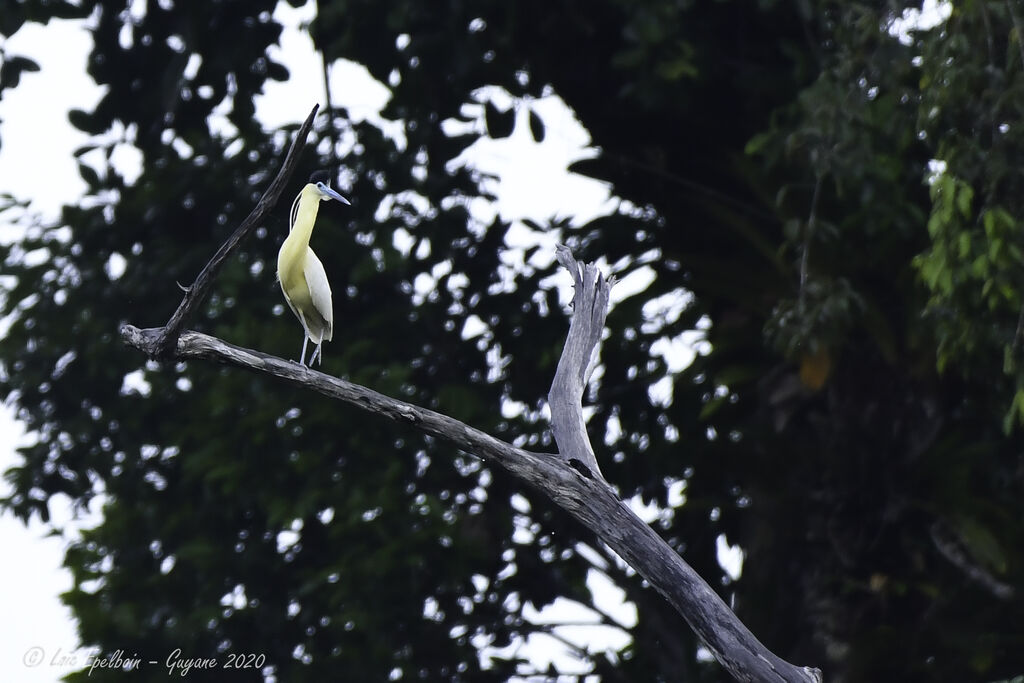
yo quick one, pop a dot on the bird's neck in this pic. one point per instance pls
(305, 216)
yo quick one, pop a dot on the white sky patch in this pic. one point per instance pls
(286, 539)
(665, 310)
(636, 282)
(677, 493)
(580, 626)
(352, 87)
(611, 600)
(520, 504)
(932, 14)
(286, 102)
(648, 512)
(402, 241)
(5, 327)
(236, 598)
(521, 236)
(125, 156)
(35, 617)
(36, 257)
(677, 352)
(115, 266)
(530, 171)
(730, 557)
(364, 97)
(936, 169)
(661, 392)
(135, 383)
(473, 327)
(35, 157)
(511, 409)
(591, 555)
(612, 431)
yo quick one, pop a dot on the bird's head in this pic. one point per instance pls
(321, 182)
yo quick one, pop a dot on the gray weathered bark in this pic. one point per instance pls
(590, 306)
(566, 478)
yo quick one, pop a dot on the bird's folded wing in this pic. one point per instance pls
(320, 293)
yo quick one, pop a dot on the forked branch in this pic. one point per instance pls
(570, 479)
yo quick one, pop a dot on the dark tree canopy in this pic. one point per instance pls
(844, 204)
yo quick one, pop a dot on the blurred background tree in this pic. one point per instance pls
(833, 199)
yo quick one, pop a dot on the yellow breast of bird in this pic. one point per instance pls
(293, 283)
(289, 267)
(291, 260)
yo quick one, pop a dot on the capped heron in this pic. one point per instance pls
(302, 276)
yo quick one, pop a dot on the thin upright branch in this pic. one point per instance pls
(332, 131)
(197, 292)
(590, 306)
(812, 226)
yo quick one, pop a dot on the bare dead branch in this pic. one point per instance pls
(588, 498)
(196, 293)
(194, 345)
(590, 306)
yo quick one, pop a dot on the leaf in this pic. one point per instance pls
(12, 68)
(963, 199)
(815, 369)
(994, 247)
(85, 122)
(89, 175)
(276, 71)
(759, 142)
(982, 544)
(23, 63)
(988, 219)
(964, 244)
(536, 126)
(500, 124)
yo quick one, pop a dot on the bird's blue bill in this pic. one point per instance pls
(331, 194)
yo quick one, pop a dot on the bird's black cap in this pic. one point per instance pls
(320, 177)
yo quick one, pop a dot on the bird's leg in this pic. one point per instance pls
(317, 355)
(302, 359)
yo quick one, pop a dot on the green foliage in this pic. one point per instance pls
(910, 275)
(774, 160)
(973, 266)
(973, 272)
